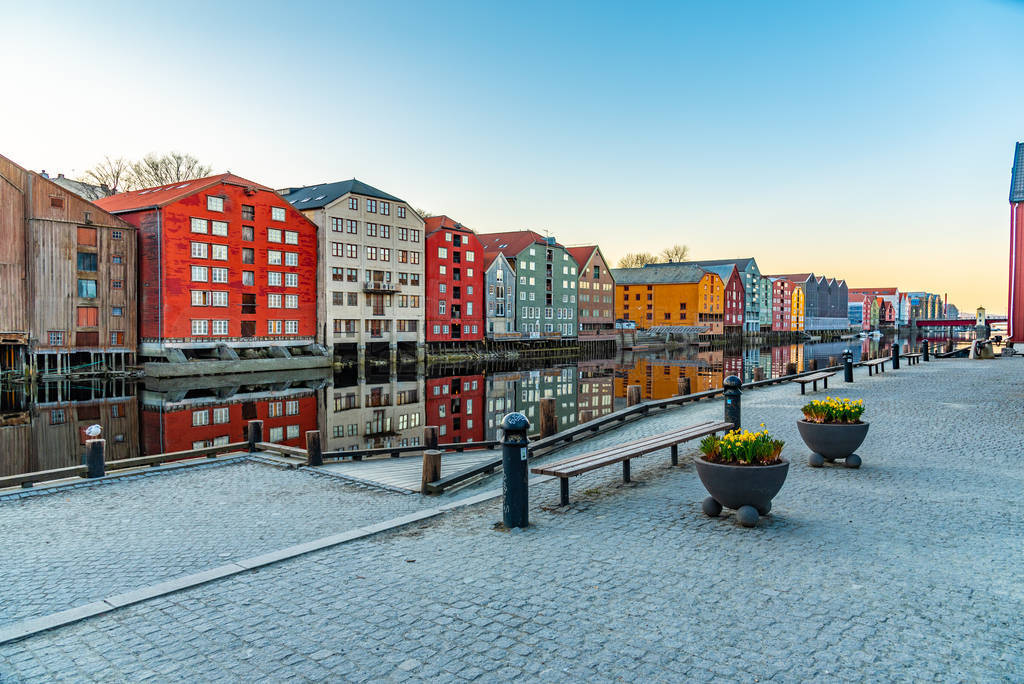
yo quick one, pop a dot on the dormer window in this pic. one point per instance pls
(214, 203)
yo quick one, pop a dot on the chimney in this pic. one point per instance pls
(60, 175)
(43, 174)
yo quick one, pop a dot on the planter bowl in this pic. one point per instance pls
(832, 440)
(736, 486)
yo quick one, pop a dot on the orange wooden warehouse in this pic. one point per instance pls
(670, 295)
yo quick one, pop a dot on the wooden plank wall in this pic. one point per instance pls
(13, 309)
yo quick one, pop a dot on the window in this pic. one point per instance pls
(276, 434)
(199, 298)
(385, 231)
(470, 256)
(291, 301)
(117, 339)
(219, 228)
(117, 311)
(200, 418)
(116, 284)
(277, 214)
(448, 237)
(247, 233)
(441, 307)
(291, 259)
(274, 278)
(200, 327)
(218, 275)
(200, 225)
(199, 274)
(218, 298)
(86, 288)
(248, 212)
(291, 237)
(220, 327)
(221, 415)
(214, 203)
(414, 258)
(442, 288)
(56, 338)
(352, 226)
(116, 259)
(115, 234)
(442, 252)
(273, 235)
(273, 327)
(273, 257)
(293, 432)
(352, 275)
(87, 261)
(401, 211)
(385, 208)
(414, 234)
(291, 327)
(248, 255)
(273, 301)
(219, 252)
(291, 279)
(403, 256)
(371, 206)
(337, 273)
(352, 251)
(385, 254)
(353, 203)
(371, 230)
(371, 253)
(199, 250)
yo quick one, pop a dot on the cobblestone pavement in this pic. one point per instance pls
(909, 568)
(68, 548)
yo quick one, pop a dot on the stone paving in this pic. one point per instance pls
(909, 568)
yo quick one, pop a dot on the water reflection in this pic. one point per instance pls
(383, 408)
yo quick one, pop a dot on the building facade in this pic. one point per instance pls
(755, 297)
(1015, 298)
(596, 296)
(225, 264)
(455, 404)
(455, 295)
(797, 309)
(68, 275)
(371, 270)
(670, 295)
(546, 282)
(734, 309)
(500, 280)
(782, 304)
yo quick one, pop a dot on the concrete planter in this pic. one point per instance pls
(749, 489)
(833, 441)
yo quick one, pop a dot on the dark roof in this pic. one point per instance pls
(85, 190)
(723, 271)
(512, 242)
(1017, 175)
(664, 274)
(162, 195)
(740, 264)
(582, 254)
(319, 196)
(435, 223)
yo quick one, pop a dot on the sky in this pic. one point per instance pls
(870, 141)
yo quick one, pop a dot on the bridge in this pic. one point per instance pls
(957, 322)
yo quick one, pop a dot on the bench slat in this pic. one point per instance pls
(812, 378)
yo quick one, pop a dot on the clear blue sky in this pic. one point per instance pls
(796, 132)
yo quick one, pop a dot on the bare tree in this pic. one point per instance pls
(674, 253)
(637, 260)
(424, 214)
(174, 167)
(115, 174)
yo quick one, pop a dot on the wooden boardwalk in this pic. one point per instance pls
(405, 473)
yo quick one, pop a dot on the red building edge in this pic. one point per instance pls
(223, 261)
(1015, 300)
(455, 303)
(455, 404)
(734, 294)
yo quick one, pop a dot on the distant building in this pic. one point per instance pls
(797, 309)
(825, 301)
(856, 314)
(889, 314)
(670, 295)
(455, 294)
(952, 312)
(782, 304)
(596, 296)
(85, 190)
(68, 279)
(734, 309)
(500, 279)
(754, 295)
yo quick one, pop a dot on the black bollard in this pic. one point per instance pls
(732, 400)
(895, 356)
(515, 487)
(924, 350)
(847, 365)
(255, 434)
(94, 457)
(314, 449)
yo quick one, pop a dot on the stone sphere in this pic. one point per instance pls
(711, 507)
(852, 461)
(766, 510)
(747, 516)
(815, 460)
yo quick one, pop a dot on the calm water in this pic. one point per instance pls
(388, 407)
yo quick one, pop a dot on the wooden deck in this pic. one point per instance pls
(405, 473)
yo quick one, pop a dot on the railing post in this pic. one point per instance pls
(515, 484)
(847, 365)
(791, 368)
(924, 350)
(95, 455)
(758, 374)
(314, 450)
(431, 468)
(812, 364)
(255, 434)
(430, 437)
(632, 395)
(732, 400)
(548, 419)
(684, 386)
(895, 356)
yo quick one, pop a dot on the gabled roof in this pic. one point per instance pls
(435, 223)
(319, 196)
(512, 242)
(723, 271)
(797, 277)
(491, 257)
(84, 190)
(874, 290)
(582, 254)
(663, 274)
(740, 264)
(162, 195)
(1017, 174)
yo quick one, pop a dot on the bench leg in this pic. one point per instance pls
(625, 470)
(826, 382)
(563, 486)
(675, 454)
(814, 385)
(803, 388)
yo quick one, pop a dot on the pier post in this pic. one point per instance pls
(632, 395)
(684, 386)
(895, 356)
(314, 450)
(812, 364)
(924, 350)
(847, 365)
(790, 368)
(430, 436)
(758, 373)
(732, 400)
(255, 434)
(431, 468)
(548, 419)
(95, 453)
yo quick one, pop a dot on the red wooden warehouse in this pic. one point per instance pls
(455, 309)
(225, 264)
(455, 404)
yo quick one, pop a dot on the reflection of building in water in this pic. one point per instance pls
(507, 392)
(183, 419)
(732, 364)
(659, 378)
(49, 432)
(374, 415)
(785, 354)
(501, 399)
(596, 394)
(455, 404)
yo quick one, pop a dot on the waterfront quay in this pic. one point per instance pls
(907, 568)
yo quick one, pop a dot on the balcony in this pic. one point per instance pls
(380, 286)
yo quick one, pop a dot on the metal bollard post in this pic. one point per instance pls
(924, 350)
(515, 502)
(95, 451)
(732, 400)
(847, 365)
(314, 450)
(255, 434)
(895, 356)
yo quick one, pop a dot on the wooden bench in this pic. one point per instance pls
(622, 453)
(913, 358)
(813, 378)
(877, 364)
